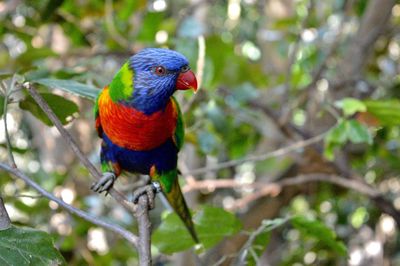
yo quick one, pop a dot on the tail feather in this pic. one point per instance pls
(177, 201)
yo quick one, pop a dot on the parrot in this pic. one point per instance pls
(141, 125)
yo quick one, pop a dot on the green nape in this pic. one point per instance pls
(121, 87)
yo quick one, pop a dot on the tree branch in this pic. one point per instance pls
(254, 158)
(5, 221)
(142, 214)
(7, 93)
(273, 188)
(131, 238)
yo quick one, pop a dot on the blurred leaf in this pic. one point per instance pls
(351, 106)
(26, 246)
(172, 236)
(317, 230)
(337, 134)
(63, 108)
(31, 55)
(51, 9)
(387, 111)
(70, 86)
(358, 133)
(153, 21)
(212, 225)
(257, 248)
(345, 130)
(358, 218)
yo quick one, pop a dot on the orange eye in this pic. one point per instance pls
(160, 70)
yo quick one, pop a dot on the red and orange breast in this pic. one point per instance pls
(132, 129)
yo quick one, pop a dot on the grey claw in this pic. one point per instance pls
(149, 190)
(105, 183)
(156, 186)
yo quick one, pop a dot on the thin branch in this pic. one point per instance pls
(252, 237)
(75, 148)
(142, 214)
(8, 92)
(273, 188)
(131, 238)
(255, 158)
(5, 221)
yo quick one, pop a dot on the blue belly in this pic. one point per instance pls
(163, 157)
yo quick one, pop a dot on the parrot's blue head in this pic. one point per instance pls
(158, 73)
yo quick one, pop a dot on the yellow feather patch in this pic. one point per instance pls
(127, 80)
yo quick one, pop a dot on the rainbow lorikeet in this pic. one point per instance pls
(141, 124)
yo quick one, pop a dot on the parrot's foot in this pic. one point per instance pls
(149, 190)
(105, 183)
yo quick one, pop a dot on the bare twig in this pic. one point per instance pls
(142, 215)
(253, 235)
(7, 93)
(131, 238)
(5, 221)
(290, 181)
(254, 158)
(273, 188)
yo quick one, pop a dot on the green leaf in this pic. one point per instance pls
(212, 225)
(71, 86)
(63, 108)
(172, 236)
(387, 111)
(358, 133)
(26, 246)
(257, 248)
(337, 134)
(351, 106)
(345, 130)
(319, 231)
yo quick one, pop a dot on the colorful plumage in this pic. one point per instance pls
(141, 124)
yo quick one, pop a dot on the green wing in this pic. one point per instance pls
(179, 135)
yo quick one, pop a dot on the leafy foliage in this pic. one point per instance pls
(212, 224)
(346, 130)
(318, 231)
(63, 108)
(26, 246)
(70, 86)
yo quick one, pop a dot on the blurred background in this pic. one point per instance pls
(319, 77)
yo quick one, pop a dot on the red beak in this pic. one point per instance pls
(186, 80)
